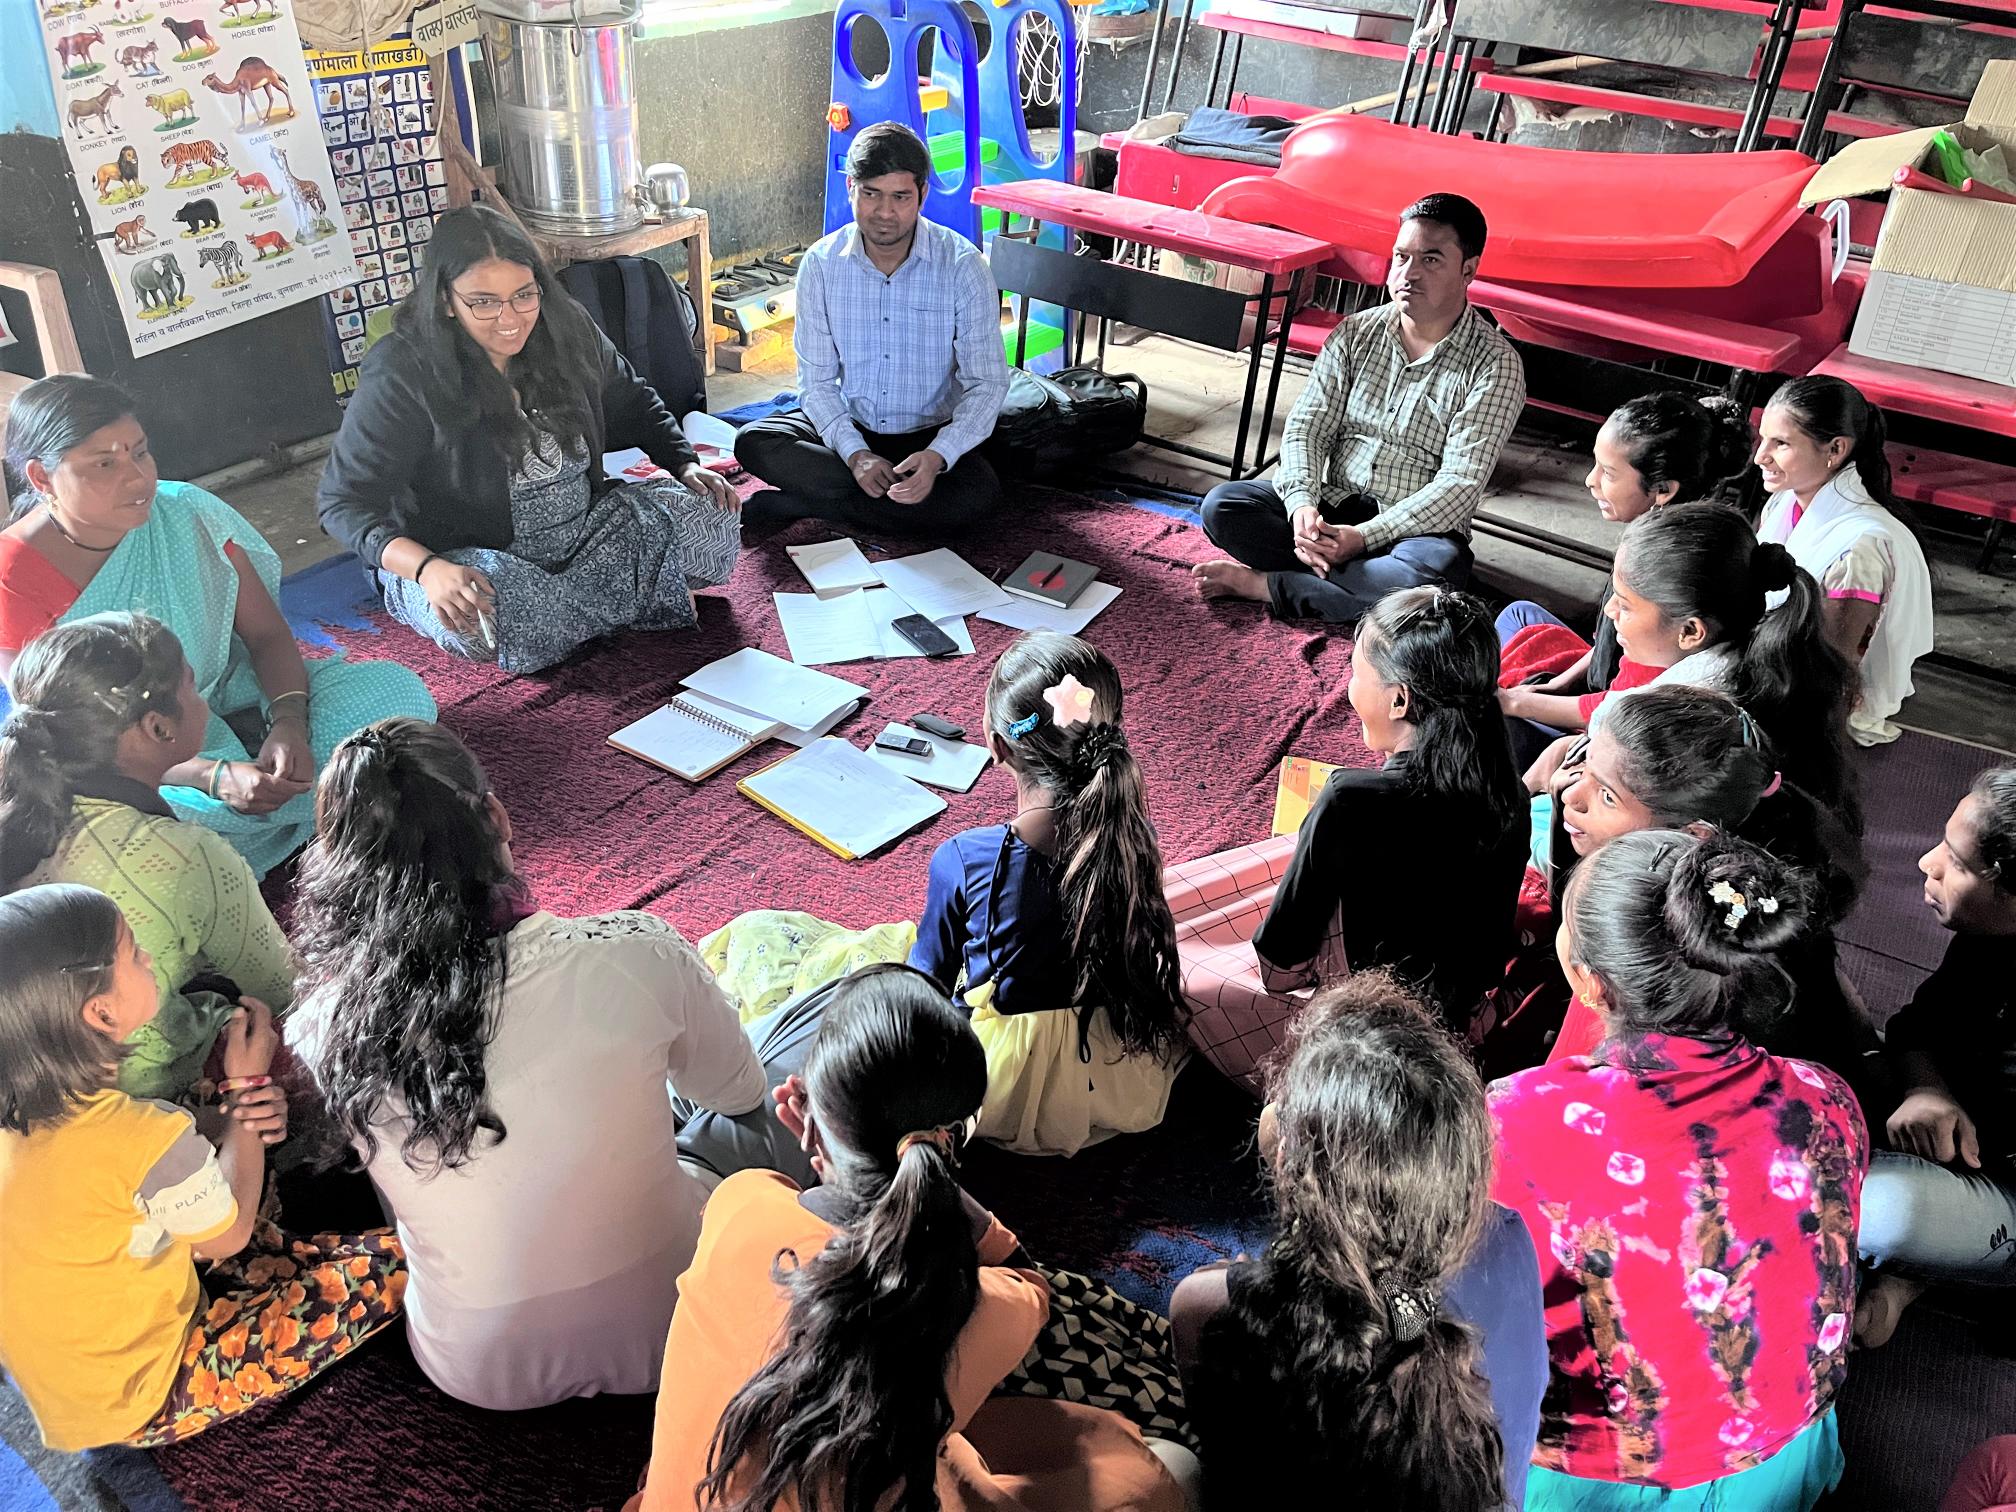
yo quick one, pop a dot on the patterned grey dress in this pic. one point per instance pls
(578, 567)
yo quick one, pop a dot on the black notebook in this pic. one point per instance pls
(1050, 579)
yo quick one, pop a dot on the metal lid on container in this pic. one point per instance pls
(574, 13)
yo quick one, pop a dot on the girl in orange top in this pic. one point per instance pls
(837, 1347)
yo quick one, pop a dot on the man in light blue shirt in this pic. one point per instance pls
(900, 367)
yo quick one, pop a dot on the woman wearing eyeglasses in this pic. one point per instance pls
(468, 472)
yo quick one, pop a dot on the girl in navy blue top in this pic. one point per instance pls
(1053, 927)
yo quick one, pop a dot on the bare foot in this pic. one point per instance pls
(1880, 1306)
(1229, 579)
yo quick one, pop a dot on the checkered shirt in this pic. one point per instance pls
(1422, 437)
(904, 351)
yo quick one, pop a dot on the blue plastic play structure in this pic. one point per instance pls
(897, 95)
(969, 109)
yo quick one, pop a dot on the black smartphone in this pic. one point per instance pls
(944, 729)
(908, 745)
(925, 636)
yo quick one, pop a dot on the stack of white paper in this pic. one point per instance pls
(853, 627)
(1028, 614)
(952, 764)
(841, 798)
(941, 584)
(834, 567)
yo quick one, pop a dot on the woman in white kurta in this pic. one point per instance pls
(503, 1075)
(1821, 453)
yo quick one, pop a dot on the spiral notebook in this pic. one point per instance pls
(693, 738)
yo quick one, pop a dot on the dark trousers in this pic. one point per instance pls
(786, 452)
(1248, 521)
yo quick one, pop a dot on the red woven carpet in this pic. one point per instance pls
(1216, 695)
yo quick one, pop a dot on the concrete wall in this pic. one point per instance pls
(744, 110)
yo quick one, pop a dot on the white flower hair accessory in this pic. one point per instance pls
(1070, 702)
(1739, 906)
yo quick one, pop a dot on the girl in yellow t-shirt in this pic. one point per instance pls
(107, 1200)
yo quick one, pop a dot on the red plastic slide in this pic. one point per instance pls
(1597, 219)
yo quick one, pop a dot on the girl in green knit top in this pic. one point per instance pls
(104, 707)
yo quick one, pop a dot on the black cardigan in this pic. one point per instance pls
(409, 462)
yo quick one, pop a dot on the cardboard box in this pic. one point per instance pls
(1942, 284)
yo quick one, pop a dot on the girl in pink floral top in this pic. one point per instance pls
(1693, 1199)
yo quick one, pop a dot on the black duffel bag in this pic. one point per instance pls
(1050, 423)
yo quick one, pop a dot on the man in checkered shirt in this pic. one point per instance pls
(901, 374)
(1387, 450)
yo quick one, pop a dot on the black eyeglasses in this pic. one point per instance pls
(489, 306)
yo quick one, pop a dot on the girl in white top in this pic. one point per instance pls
(503, 1075)
(1821, 453)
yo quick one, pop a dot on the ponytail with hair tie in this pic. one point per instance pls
(1772, 567)
(1099, 745)
(944, 1139)
(33, 730)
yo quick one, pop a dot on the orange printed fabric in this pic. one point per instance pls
(299, 1307)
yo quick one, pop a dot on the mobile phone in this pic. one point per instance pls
(944, 729)
(907, 745)
(925, 636)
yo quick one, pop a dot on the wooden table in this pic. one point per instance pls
(687, 225)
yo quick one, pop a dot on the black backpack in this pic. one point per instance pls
(1049, 423)
(651, 320)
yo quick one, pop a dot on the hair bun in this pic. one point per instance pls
(1772, 567)
(1729, 901)
(33, 730)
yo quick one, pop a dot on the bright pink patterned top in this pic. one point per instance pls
(1694, 1205)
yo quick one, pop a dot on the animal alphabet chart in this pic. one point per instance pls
(377, 111)
(191, 128)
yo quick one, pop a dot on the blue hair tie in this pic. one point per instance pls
(1021, 727)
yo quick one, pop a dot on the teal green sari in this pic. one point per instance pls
(174, 568)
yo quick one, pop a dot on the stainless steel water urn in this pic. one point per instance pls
(567, 113)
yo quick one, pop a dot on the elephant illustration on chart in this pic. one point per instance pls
(158, 283)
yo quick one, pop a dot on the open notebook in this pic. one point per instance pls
(692, 736)
(841, 798)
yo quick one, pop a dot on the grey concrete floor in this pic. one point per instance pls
(1194, 396)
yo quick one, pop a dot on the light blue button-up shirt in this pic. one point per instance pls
(904, 351)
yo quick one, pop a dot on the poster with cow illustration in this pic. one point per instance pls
(191, 127)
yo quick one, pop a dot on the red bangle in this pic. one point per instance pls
(244, 1083)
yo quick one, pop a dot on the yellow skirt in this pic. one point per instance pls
(1043, 1100)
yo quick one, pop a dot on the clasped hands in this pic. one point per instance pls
(1321, 546)
(907, 482)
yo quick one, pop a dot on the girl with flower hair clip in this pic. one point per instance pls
(1694, 1198)
(1053, 925)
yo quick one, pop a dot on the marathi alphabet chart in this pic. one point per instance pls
(191, 130)
(377, 113)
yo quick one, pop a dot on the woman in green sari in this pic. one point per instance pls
(95, 529)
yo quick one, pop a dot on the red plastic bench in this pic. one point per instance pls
(1582, 218)
(1260, 248)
